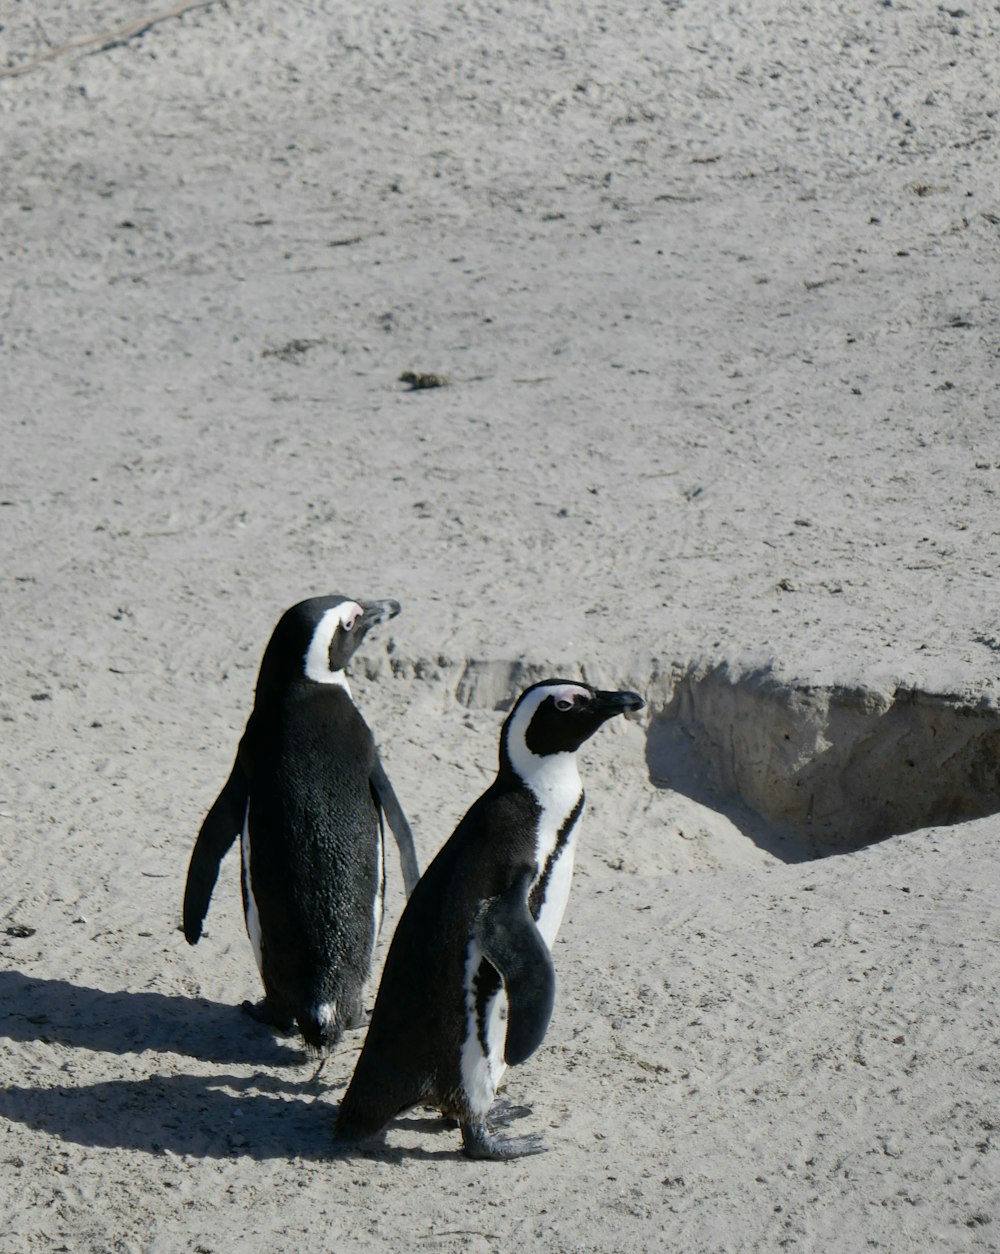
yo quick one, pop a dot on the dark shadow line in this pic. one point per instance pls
(196, 1116)
(61, 1013)
(180, 1114)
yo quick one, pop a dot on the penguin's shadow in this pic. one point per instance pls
(202, 1116)
(216, 1116)
(57, 1012)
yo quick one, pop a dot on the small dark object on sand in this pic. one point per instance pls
(419, 381)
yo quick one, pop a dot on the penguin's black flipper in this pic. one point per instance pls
(385, 797)
(222, 825)
(512, 943)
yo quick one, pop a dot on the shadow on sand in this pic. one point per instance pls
(263, 1116)
(56, 1012)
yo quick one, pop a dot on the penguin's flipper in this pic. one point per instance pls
(385, 797)
(512, 943)
(222, 825)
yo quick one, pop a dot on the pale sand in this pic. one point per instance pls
(715, 289)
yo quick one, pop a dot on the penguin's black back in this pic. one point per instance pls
(314, 836)
(412, 1051)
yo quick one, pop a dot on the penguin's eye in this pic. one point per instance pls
(350, 623)
(564, 703)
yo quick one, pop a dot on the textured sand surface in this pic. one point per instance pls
(714, 290)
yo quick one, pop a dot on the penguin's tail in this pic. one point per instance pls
(376, 1095)
(321, 1027)
(361, 1118)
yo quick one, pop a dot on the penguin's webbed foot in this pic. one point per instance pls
(479, 1142)
(503, 1112)
(266, 1012)
(356, 1017)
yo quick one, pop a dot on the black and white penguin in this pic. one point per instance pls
(468, 985)
(307, 795)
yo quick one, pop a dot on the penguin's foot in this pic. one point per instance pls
(357, 1018)
(478, 1142)
(503, 1112)
(265, 1012)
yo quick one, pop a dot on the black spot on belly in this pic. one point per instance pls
(485, 986)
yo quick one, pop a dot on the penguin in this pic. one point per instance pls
(468, 985)
(307, 795)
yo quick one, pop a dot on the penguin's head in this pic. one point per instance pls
(317, 638)
(557, 716)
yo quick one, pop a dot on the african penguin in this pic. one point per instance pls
(468, 985)
(306, 796)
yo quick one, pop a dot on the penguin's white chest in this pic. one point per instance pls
(555, 852)
(557, 789)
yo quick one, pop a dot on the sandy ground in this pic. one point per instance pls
(714, 290)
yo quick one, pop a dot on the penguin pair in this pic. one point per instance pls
(307, 796)
(468, 986)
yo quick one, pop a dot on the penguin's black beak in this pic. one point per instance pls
(609, 704)
(375, 612)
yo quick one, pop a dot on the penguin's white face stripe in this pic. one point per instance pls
(530, 703)
(317, 667)
(553, 778)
